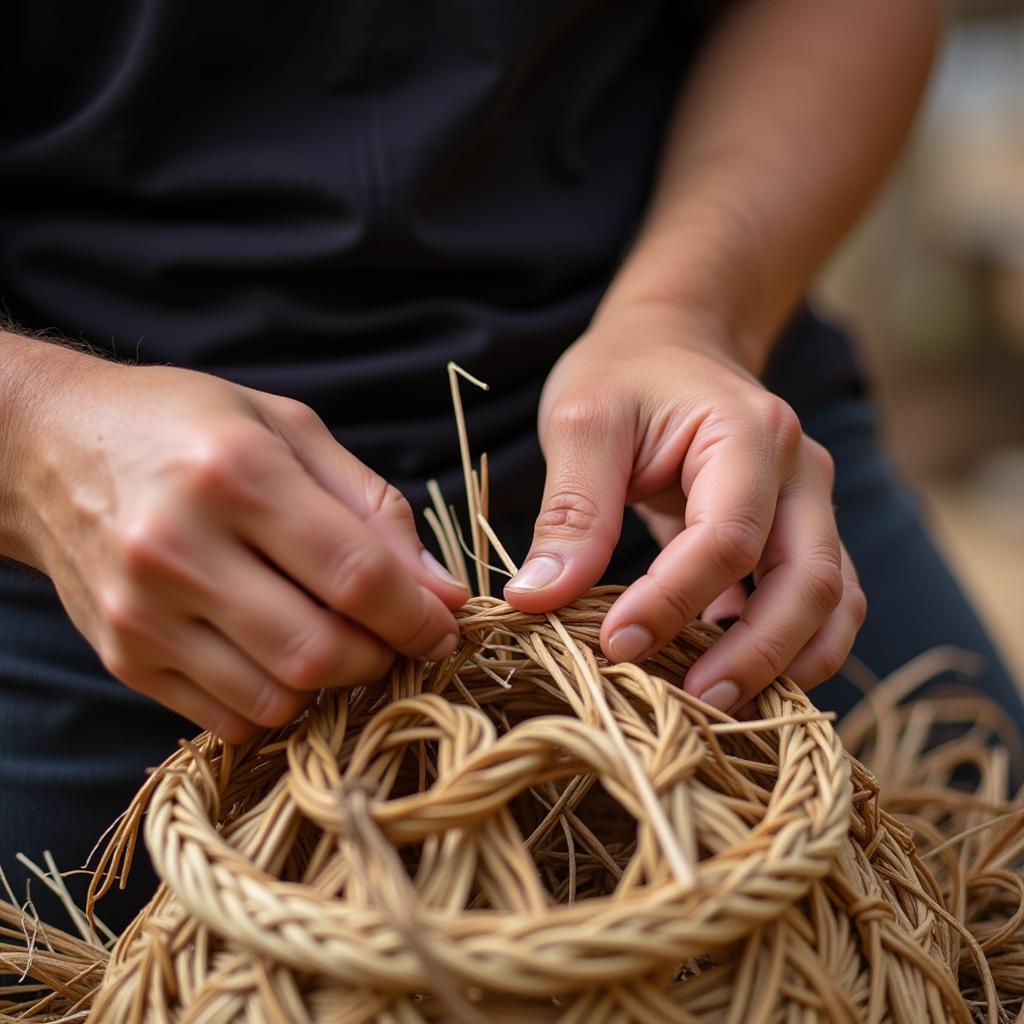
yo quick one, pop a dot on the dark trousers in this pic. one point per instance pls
(74, 745)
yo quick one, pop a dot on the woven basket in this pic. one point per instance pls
(473, 845)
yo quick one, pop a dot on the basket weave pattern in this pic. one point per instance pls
(471, 845)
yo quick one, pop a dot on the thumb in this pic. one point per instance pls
(588, 470)
(383, 508)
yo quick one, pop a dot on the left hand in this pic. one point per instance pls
(649, 409)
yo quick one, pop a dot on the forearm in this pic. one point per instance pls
(789, 122)
(32, 372)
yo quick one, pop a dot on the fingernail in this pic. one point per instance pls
(438, 569)
(723, 695)
(630, 642)
(443, 649)
(538, 572)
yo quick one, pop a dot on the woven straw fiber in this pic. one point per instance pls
(471, 845)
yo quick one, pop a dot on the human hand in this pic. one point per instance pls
(217, 547)
(648, 409)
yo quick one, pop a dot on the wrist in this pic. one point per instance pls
(685, 322)
(33, 375)
(700, 309)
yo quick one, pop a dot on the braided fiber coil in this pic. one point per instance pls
(471, 845)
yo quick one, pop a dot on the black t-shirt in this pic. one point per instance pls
(331, 199)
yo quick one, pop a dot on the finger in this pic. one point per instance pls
(729, 510)
(383, 508)
(200, 653)
(320, 543)
(799, 585)
(145, 647)
(183, 696)
(297, 641)
(664, 515)
(274, 622)
(746, 712)
(725, 609)
(394, 522)
(824, 654)
(589, 461)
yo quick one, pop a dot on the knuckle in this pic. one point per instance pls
(780, 421)
(308, 660)
(366, 668)
(297, 415)
(388, 501)
(221, 464)
(228, 727)
(830, 661)
(821, 460)
(769, 650)
(421, 636)
(122, 612)
(578, 417)
(824, 582)
(679, 604)
(857, 601)
(117, 660)
(568, 515)
(361, 573)
(736, 545)
(145, 545)
(378, 667)
(271, 707)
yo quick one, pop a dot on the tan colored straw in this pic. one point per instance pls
(525, 832)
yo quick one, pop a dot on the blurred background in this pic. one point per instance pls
(932, 283)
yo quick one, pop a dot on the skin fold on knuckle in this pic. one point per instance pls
(124, 614)
(579, 420)
(821, 460)
(734, 545)
(297, 416)
(568, 516)
(149, 547)
(769, 653)
(830, 661)
(308, 660)
(230, 728)
(362, 573)
(427, 630)
(270, 706)
(780, 422)
(675, 607)
(857, 602)
(123, 663)
(116, 662)
(385, 501)
(229, 465)
(814, 665)
(824, 584)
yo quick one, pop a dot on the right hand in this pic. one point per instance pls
(218, 548)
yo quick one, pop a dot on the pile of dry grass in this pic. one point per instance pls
(526, 832)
